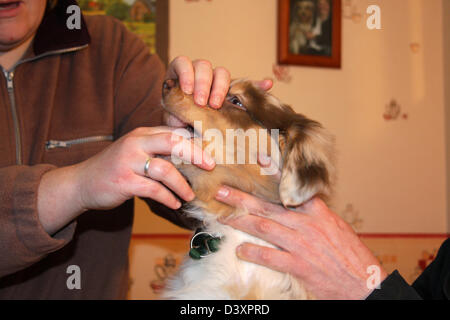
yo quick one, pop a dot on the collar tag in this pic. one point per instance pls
(203, 244)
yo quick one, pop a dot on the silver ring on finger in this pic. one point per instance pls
(146, 167)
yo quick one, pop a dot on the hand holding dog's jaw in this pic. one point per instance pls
(316, 245)
(200, 79)
(208, 85)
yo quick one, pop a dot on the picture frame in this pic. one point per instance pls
(148, 19)
(309, 33)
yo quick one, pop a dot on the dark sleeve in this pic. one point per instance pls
(394, 287)
(434, 282)
(175, 216)
(138, 93)
(23, 240)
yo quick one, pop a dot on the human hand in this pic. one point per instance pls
(117, 173)
(207, 84)
(315, 245)
(199, 78)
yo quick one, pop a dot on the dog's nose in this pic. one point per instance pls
(168, 85)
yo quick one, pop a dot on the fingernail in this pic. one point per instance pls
(177, 205)
(223, 192)
(201, 99)
(190, 196)
(239, 251)
(210, 161)
(188, 88)
(264, 159)
(216, 101)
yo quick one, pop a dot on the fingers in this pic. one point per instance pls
(265, 84)
(181, 67)
(147, 188)
(220, 87)
(256, 206)
(203, 78)
(268, 166)
(179, 148)
(165, 172)
(199, 78)
(145, 131)
(272, 258)
(266, 229)
(239, 199)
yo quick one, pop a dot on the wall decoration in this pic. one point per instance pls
(309, 32)
(352, 217)
(424, 261)
(386, 259)
(350, 11)
(153, 259)
(146, 18)
(415, 47)
(281, 73)
(163, 269)
(393, 111)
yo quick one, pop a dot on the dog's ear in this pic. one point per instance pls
(308, 161)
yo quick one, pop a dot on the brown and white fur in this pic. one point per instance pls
(307, 170)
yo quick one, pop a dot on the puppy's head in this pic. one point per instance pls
(305, 148)
(305, 10)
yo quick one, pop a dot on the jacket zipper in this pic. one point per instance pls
(52, 144)
(50, 53)
(9, 75)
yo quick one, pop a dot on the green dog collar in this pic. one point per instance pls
(203, 244)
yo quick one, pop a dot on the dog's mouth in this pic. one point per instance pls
(176, 121)
(194, 132)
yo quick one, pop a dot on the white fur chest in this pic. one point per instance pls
(222, 275)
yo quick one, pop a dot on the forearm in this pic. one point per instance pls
(59, 200)
(23, 240)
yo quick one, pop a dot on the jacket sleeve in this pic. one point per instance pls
(138, 93)
(23, 240)
(434, 282)
(394, 287)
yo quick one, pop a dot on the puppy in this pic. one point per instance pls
(302, 24)
(306, 152)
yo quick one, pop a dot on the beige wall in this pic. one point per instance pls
(446, 39)
(392, 172)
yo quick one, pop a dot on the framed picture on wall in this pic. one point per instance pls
(309, 32)
(148, 19)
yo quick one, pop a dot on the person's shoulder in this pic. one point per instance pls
(111, 39)
(101, 26)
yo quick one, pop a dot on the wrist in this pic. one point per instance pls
(59, 199)
(78, 188)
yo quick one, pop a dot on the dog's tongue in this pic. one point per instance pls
(173, 121)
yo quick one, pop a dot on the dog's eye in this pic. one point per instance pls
(237, 102)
